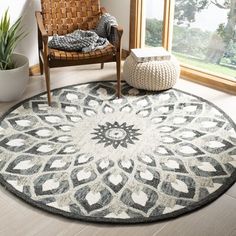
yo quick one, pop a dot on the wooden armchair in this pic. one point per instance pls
(64, 16)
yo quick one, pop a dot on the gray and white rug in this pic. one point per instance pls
(142, 158)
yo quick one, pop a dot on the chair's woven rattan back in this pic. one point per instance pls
(64, 16)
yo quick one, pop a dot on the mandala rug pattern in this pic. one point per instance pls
(141, 158)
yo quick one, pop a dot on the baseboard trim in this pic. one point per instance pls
(34, 70)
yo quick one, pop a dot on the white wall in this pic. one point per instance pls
(26, 8)
(121, 10)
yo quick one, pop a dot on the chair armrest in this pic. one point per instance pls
(39, 20)
(116, 32)
(116, 36)
(119, 30)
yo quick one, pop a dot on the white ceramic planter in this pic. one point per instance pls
(13, 82)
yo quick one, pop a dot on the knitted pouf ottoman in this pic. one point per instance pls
(151, 75)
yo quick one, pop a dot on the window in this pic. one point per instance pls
(153, 23)
(204, 35)
(200, 33)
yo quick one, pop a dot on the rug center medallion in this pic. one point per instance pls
(116, 134)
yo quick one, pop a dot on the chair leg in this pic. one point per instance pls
(102, 65)
(40, 64)
(118, 66)
(47, 77)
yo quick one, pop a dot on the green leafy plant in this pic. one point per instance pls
(9, 37)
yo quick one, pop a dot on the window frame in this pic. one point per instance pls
(188, 72)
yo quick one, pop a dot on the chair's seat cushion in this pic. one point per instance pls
(65, 55)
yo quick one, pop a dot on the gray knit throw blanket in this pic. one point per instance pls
(85, 41)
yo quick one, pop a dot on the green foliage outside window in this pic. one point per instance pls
(216, 49)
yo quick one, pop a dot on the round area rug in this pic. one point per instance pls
(144, 157)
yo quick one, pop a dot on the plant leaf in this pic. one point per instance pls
(9, 37)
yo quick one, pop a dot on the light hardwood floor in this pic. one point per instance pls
(20, 219)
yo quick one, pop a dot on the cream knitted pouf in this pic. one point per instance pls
(152, 75)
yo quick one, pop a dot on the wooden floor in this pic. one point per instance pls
(216, 219)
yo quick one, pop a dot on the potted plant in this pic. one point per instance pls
(14, 68)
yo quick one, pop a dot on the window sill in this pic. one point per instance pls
(210, 80)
